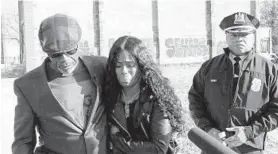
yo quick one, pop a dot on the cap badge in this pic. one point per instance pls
(239, 18)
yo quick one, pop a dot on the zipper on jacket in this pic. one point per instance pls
(118, 123)
(230, 104)
(237, 87)
(236, 90)
(233, 98)
(232, 101)
(144, 130)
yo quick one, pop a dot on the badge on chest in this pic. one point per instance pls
(256, 84)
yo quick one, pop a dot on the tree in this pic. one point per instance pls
(9, 30)
(9, 23)
(269, 18)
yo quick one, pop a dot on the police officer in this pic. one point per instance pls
(61, 97)
(234, 96)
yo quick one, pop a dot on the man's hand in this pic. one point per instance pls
(238, 138)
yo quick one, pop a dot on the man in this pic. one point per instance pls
(234, 96)
(61, 97)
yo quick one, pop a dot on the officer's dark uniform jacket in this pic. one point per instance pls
(154, 130)
(254, 105)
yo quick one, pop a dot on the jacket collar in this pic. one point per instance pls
(44, 93)
(95, 73)
(91, 66)
(93, 69)
(141, 109)
(247, 60)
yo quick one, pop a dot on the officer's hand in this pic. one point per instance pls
(214, 133)
(238, 138)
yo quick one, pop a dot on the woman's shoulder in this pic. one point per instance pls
(147, 95)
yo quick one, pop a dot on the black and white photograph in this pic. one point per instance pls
(139, 77)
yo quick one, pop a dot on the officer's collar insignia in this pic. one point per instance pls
(239, 18)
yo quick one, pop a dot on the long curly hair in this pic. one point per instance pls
(151, 77)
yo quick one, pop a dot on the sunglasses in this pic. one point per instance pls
(54, 55)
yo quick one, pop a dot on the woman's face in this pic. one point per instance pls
(127, 70)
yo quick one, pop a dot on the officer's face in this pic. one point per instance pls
(65, 62)
(240, 43)
(127, 70)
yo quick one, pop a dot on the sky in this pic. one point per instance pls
(177, 19)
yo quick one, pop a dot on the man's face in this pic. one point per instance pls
(64, 62)
(240, 43)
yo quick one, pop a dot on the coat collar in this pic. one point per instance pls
(142, 108)
(96, 74)
(93, 68)
(46, 98)
(44, 91)
(226, 59)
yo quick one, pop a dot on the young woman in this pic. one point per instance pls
(143, 109)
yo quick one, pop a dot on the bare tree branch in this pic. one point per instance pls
(9, 25)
